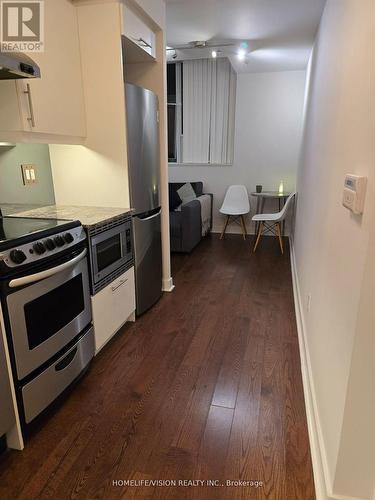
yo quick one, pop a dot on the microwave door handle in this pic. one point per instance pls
(32, 278)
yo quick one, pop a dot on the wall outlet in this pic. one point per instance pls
(308, 302)
(28, 174)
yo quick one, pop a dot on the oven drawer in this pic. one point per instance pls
(47, 386)
(112, 306)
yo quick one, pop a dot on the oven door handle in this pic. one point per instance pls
(32, 278)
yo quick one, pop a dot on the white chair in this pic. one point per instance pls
(272, 222)
(236, 204)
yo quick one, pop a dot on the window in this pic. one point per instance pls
(175, 110)
(201, 107)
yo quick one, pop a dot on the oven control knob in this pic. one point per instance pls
(50, 244)
(39, 248)
(68, 237)
(17, 256)
(59, 240)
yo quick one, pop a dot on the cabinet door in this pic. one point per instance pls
(57, 97)
(112, 306)
(138, 32)
(10, 113)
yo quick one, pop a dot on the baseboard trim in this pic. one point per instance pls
(322, 479)
(167, 285)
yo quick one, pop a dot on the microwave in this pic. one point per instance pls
(111, 252)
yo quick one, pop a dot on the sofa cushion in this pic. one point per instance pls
(175, 224)
(174, 198)
(198, 188)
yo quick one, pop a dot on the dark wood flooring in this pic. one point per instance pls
(206, 385)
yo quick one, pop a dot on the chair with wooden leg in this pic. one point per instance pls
(235, 206)
(272, 223)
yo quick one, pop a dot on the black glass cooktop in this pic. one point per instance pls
(14, 229)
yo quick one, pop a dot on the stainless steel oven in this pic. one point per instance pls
(46, 304)
(46, 314)
(111, 251)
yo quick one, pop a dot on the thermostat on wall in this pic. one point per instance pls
(354, 193)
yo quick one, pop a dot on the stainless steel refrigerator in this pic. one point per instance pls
(144, 178)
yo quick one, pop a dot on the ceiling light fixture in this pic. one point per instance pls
(198, 44)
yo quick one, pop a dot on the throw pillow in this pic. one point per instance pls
(186, 193)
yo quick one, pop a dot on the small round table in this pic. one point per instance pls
(261, 199)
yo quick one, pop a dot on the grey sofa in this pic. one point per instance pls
(185, 225)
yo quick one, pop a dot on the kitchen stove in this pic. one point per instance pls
(45, 302)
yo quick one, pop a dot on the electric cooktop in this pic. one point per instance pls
(16, 232)
(12, 228)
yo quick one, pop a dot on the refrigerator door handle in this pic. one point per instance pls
(153, 216)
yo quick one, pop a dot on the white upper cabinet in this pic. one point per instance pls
(54, 103)
(139, 34)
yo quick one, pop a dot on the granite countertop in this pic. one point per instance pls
(89, 216)
(14, 208)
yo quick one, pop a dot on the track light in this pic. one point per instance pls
(241, 54)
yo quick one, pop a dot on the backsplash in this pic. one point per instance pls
(12, 188)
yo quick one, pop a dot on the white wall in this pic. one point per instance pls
(12, 188)
(331, 244)
(355, 470)
(268, 131)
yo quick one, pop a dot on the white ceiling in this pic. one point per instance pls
(280, 33)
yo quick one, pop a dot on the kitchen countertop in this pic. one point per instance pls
(89, 216)
(14, 208)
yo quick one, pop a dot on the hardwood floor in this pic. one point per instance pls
(206, 385)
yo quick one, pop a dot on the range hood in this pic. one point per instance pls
(16, 65)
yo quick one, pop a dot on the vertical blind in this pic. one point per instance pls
(209, 95)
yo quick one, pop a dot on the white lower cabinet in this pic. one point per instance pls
(112, 307)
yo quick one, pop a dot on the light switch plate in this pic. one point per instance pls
(354, 193)
(28, 174)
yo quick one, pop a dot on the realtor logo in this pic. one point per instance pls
(22, 26)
